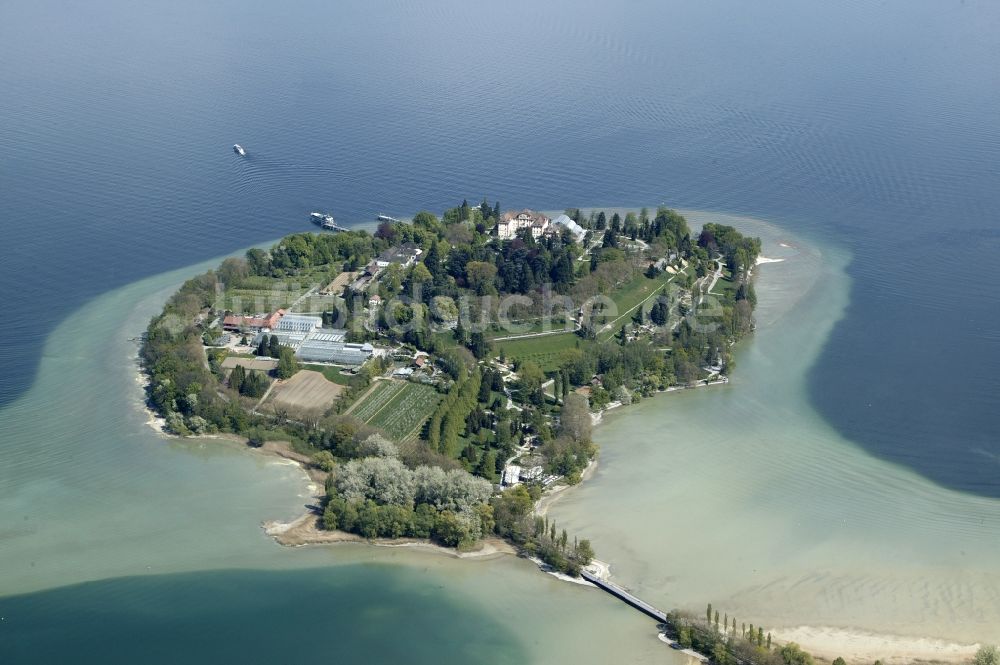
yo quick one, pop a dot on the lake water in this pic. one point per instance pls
(166, 537)
(852, 465)
(769, 513)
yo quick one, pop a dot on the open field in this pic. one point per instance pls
(629, 298)
(635, 291)
(546, 351)
(305, 390)
(251, 301)
(398, 408)
(315, 304)
(250, 363)
(256, 293)
(336, 287)
(531, 326)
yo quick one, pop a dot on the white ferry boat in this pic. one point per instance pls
(325, 221)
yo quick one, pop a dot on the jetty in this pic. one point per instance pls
(326, 222)
(638, 603)
(626, 597)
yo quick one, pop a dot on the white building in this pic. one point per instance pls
(512, 221)
(316, 349)
(299, 323)
(511, 475)
(563, 221)
(534, 473)
(404, 255)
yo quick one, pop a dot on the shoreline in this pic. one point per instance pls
(858, 645)
(304, 531)
(825, 642)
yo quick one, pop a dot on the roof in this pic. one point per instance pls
(244, 321)
(329, 348)
(284, 337)
(291, 321)
(272, 321)
(511, 474)
(535, 217)
(331, 335)
(401, 254)
(574, 228)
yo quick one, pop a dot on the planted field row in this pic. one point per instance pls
(376, 398)
(406, 411)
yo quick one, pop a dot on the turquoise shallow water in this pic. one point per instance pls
(743, 496)
(740, 495)
(872, 125)
(165, 536)
(870, 129)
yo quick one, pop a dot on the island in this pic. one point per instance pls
(440, 377)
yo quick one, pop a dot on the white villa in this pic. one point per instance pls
(513, 221)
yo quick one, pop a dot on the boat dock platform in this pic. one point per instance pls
(326, 222)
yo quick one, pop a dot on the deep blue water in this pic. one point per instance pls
(876, 126)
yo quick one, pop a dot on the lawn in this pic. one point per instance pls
(634, 292)
(628, 299)
(529, 326)
(398, 408)
(257, 293)
(547, 351)
(725, 287)
(334, 374)
(253, 301)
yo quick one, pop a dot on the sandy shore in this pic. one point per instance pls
(827, 643)
(858, 646)
(306, 530)
(557, 492)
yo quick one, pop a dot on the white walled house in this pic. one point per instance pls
(513, 221)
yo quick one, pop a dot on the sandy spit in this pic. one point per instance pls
(858, 646)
